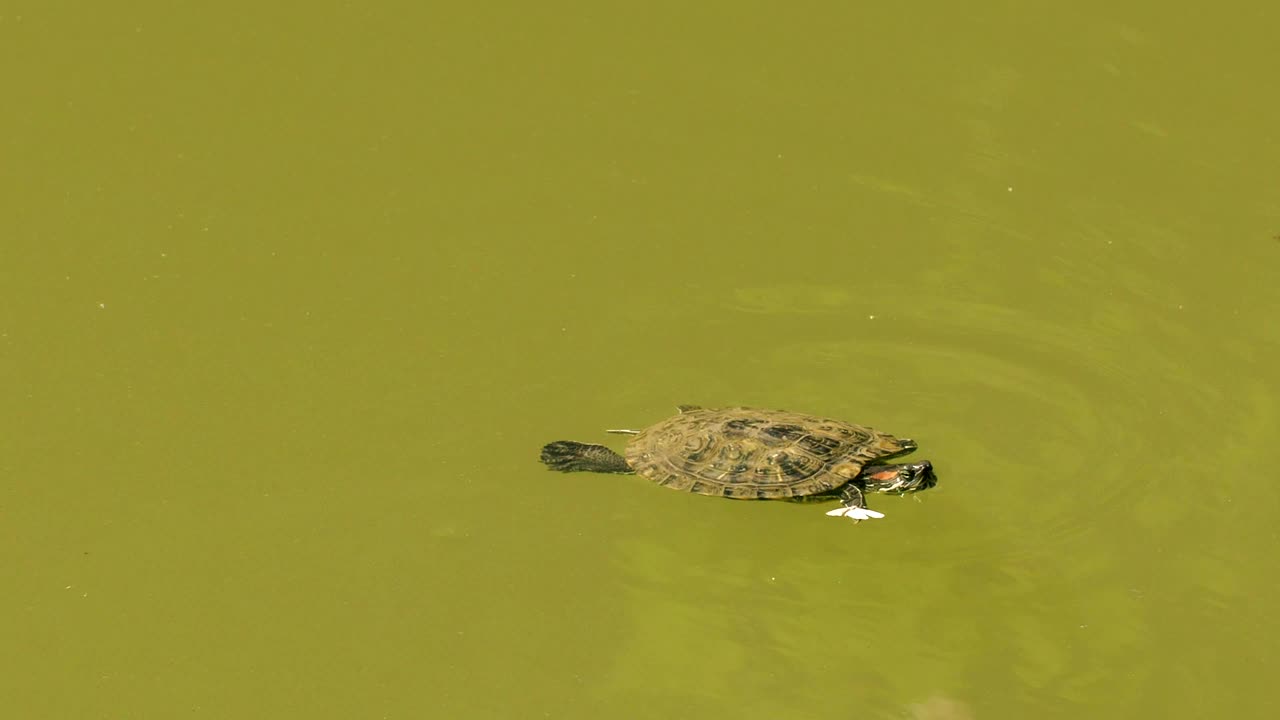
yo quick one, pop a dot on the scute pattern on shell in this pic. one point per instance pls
(751, 453)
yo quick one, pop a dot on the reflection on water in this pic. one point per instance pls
(940, 707)
(788, 299)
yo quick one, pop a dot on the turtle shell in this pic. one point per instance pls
(756, 454)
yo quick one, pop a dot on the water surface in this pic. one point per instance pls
(293, 300)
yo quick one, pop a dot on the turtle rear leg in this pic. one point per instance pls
(570, 456)
(854, 505)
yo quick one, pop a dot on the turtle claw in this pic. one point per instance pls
(855, 513)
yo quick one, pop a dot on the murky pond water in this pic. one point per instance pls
(293, 301)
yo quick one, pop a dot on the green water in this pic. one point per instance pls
(290, 302)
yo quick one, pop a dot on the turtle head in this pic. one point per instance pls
(904, 478)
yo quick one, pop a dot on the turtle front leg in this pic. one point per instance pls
(855, 505)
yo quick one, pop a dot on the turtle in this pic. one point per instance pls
(753, 454)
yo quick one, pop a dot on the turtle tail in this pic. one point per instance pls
(570, 456)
